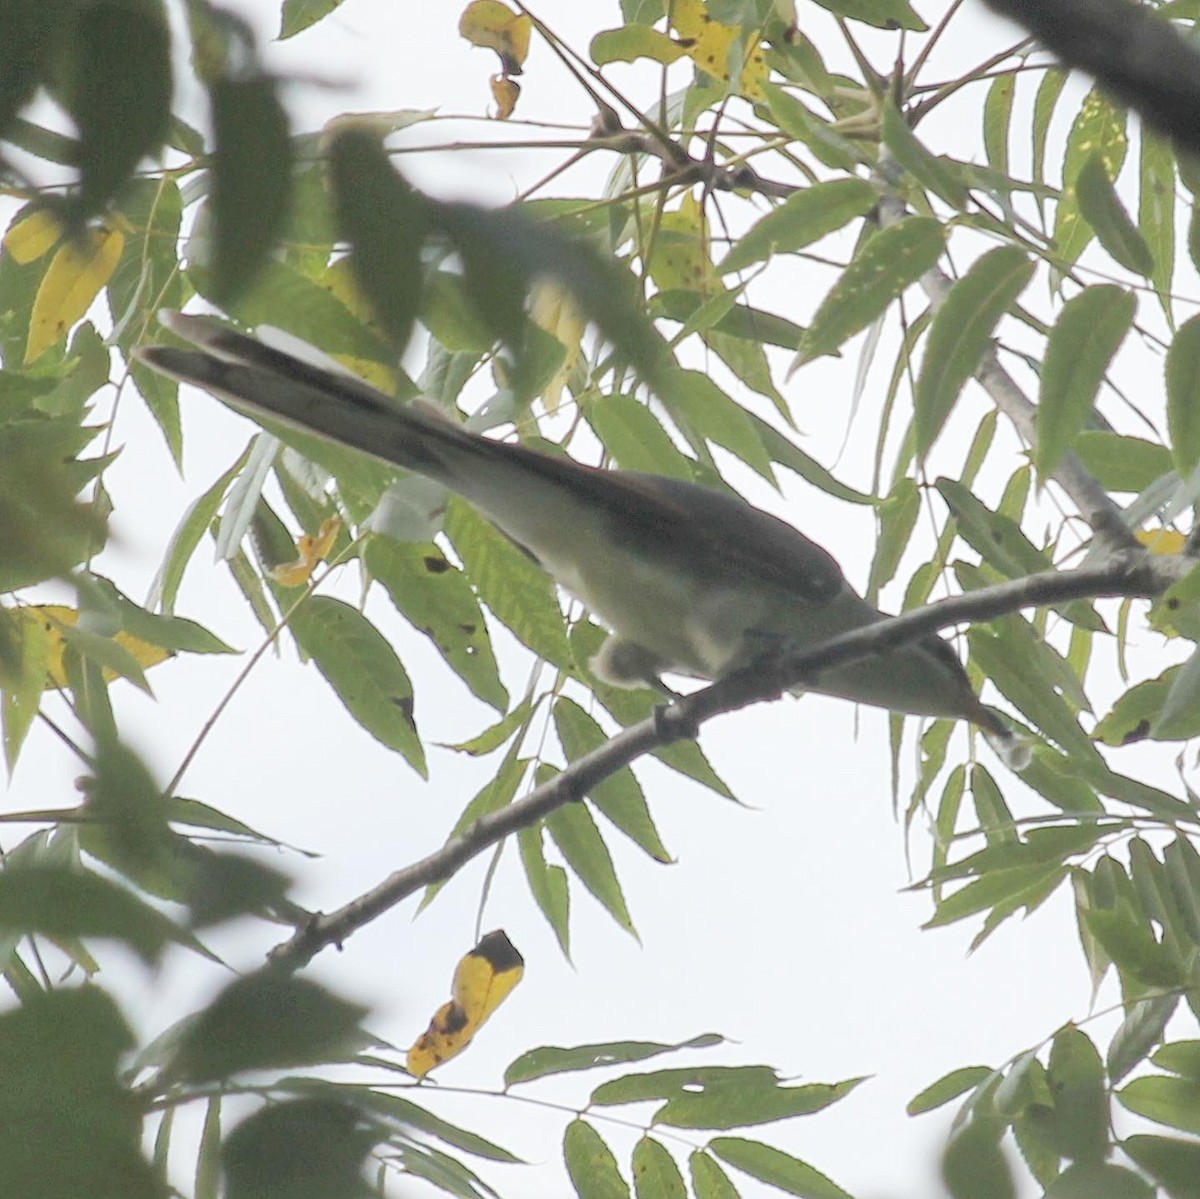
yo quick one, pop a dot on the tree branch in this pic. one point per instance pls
(1139, 575)
(1096, 506)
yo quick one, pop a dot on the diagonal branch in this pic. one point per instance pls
(1133, 575)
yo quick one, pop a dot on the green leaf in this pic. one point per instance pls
(184, 541)
(890, 261)
(631, 42)
(709, 1181)
(1183, 395)
(302, 1149)
(385, 222)
(118, 91)
(1180, 1057)
(701, 408)
(897, 519)
(948, 1087)
(883, 14)
(298, 15)
(266, 1020)
(1077, 1125)
(1122, 463)
(960, 335)
(364, 671)
(1089, 331)
(548, 885)
(1085, 1180)
(803, 218)
(973, 1166)
(67, 1126)
(1179, 708)
(927, 169)
(251, 180)
(619, 797)
(591, 1164)
(776, 1168)
(720, 1096)
(435, 597)
(1156, 210)
(1006, 889)
(1172, 1101)
(655, 1172)
(1044, 105)
(1040, 703)
(1102, 209)
(997, 119)
(519, 593)
(1098, 129)
(60, 902)
(550, 1059)
(635, 437)
(579, 840)
(1140, 1031)
(1173, 1162)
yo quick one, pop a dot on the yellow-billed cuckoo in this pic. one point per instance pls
(690, 580)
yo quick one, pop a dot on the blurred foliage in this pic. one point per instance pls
(1062, 240)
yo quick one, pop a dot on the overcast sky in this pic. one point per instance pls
(783, 924)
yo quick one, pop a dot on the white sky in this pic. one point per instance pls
(782, 925)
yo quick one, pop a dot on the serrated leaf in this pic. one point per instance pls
(548, 885)
(1156, 210)
(1085, 338)
(926, 168)
(997, 118)
(550, 1059)
(1168, 1100)
(960, 333)
(1102, 209)
(1122, 463)
(776, 1168)
(1183, 395)
(579, 840)
(1173, 1162)
(1178, 713)
(1139, 1032)
(364, 671)
(517, 592)
(890, 261)
(883, 14)
(803, 218)
(632, 434)
(1099, 128)
(619, 797)
(948, 1087)
(591, 1164)
(709, 1181)
(436, 598)
(656, 1174)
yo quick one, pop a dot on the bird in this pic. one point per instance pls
(689, 580)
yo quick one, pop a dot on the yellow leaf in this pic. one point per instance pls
(74, 278)
(495, 26)
(338, 279)
(37, 234)
(482, 981)
(708, 44)
(47, 620)
(681, 257)
(551, 308)
(506, 92)
(1162, 541)
(311, 550)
